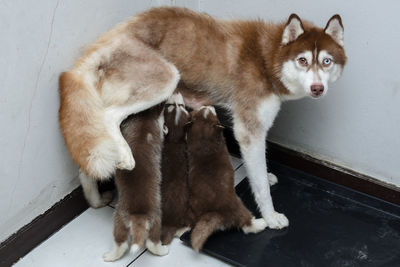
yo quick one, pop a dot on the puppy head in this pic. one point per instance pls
(175, 116)
(204, 125)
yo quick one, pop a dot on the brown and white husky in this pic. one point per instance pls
(213, 203)
(138, 214)
(174, 171)
(247, 67)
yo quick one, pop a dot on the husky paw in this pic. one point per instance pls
(157, 249)
(276, 220)
(257, 225)
(126, 161)
(272, 179)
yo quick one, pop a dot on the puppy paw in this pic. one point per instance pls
(157, 248)
(276, 220)
(109, 256)
(134, 248)
(116, 252)
(272, 179)
(257, 225)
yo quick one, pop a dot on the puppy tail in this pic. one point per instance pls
(81, 117)
(208, 223)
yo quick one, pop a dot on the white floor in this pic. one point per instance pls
(83, 241)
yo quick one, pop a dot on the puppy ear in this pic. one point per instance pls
(335, 29)
(293, 29)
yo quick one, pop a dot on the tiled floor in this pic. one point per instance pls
(83, 241)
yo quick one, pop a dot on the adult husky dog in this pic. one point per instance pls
(248, 67)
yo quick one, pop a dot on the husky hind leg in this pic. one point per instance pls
(144, 79)
(97, 96)
(92, 193)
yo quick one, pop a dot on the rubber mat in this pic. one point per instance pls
(330, 225)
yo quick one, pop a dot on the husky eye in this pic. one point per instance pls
(302, 61)
(326, 62)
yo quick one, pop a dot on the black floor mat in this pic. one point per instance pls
(329, 226)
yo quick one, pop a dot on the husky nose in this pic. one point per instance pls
(317, 89)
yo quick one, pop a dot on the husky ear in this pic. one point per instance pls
(293, 29)
(335, 29)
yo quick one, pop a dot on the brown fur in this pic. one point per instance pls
(139, 189)
(215, 58)
(174, 186)
(236, 64)
(213, 201)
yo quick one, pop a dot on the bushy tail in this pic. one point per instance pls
(81, 117)
(208, 223)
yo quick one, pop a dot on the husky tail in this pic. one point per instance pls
(81, 117)
(208, 223)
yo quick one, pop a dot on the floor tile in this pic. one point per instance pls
(240, 174)
(179, 255)
(236, 162)
(82, 242)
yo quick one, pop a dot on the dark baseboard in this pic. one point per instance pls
(325, 170)
(31, 235)
(43, 226)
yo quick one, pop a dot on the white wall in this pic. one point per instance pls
(39, 39)
(357, 125)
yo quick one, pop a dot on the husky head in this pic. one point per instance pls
(312, 56)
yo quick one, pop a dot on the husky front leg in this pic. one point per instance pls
(250, 128)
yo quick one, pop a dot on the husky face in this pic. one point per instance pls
(313, 57)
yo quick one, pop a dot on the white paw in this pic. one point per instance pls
(257, 225)
(157, 249)
(272, 179)
(276, 220)
(126, 160)
(116, 252)
(110, 256)
(134, 248)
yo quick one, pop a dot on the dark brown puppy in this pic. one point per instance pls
(138, 211)
(213, 201)
(174, 185)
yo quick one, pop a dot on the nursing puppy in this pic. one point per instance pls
(213, 201)
(174, 185)
(138, 213)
